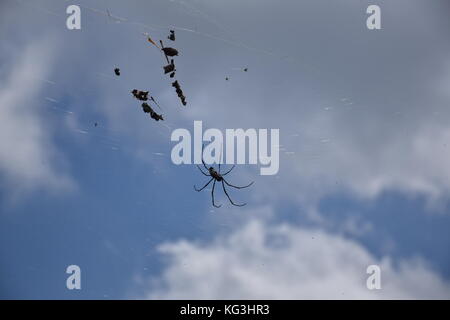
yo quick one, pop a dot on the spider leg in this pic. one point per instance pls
(198, 190)
(226, 193)
(220, 156)
(208, 175)
(212, 195)
(204, 164)
(229, 184)
(228, 171)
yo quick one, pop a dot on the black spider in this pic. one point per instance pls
(217, 176)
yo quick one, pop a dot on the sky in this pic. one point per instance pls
(363, 179)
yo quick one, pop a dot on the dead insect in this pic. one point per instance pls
(172, 35)
(179, 92)
(218, 177)
(245, 69)
(117, 71)
(170, 52)
(147, 109)
(175, 84)
(140, 95)
(227, 78)
(169, 68)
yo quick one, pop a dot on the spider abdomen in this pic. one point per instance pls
(217, 176)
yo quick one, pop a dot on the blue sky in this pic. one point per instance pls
(364, 146)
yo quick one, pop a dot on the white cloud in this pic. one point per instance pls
(389, 131)
(366, 151)
(28, 158)
(363, 143)
(396, 158)
(284, 262)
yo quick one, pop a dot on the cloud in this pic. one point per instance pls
(366, 125)
(28, 157)
(259, 261)
(398, 158)
(356, 111)
(353, 130)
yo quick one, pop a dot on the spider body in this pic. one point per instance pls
(216, 176)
